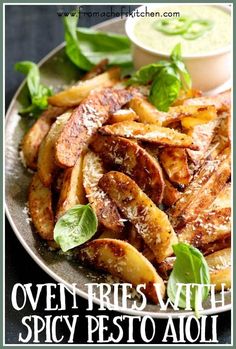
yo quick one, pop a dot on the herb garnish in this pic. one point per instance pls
(38, 93)
(166, 78)
(190, 267)
(75, 227)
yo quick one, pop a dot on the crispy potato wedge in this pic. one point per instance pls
(221, 276)
(46, 157)
(222, 101)
(202, 115)
(33, 138)
(72, 191)
(84, 122)
(202, 136)
(147, 113)
(175, 163)
(207, 228)
(171, 194)
(122, 260)
(123, 155)
(123, 115)
(96, 70)
(202, 191)
(75, 94)
(107, 212)
(220, 268)
(220, 259)
(149, 133)
(40, 208)
(150, 222)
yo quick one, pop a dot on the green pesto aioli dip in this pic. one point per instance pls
(217, 37)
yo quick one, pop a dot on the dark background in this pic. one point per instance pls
(31, 32)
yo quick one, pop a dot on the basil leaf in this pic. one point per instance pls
(165, 88)
(75, 227)
(147, 73)
(166, 78)
(176, 57)
(97, 45)
(73, 50)
(190, 267)
(176, 54)
(86, 47)
(38, 93)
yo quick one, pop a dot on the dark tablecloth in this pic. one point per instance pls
(31, 32)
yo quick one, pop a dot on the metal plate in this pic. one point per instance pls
(17, 179)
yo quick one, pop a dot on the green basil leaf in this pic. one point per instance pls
(190, 267)
(177, 62)
(97, 45)
(86, 47)
(73, 50)
(165, 88)
(75, 227)
(38, 93)
(147, 73)
(185, 77)
(176, 53)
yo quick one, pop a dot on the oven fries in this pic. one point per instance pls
(106, 210)
(149, 133)
(149, 221)
(33, 138)
(152, 178)
(40, 207)
(128, 157)
(85, 121)
(75, 94)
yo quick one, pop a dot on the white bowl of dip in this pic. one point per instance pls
(207, 58)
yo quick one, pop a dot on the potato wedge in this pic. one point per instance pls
(96, 70)
(75, 94)
(84, 122)
(207, 228)
(123, 155)
(175, 163)
(150, 222)
(202, 115)
(123, 115)
(202, 191)
(202, 136)
(122, 260)
(107, 212)
(220, 268)
(147, 113)
(46, 157)
(149, 133)
(33, 138)
(220, 277)
(171, 194)
(220, 259)
(72, 191)
(222, 101)
(40, 208)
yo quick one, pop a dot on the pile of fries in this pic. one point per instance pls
(153, 178)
